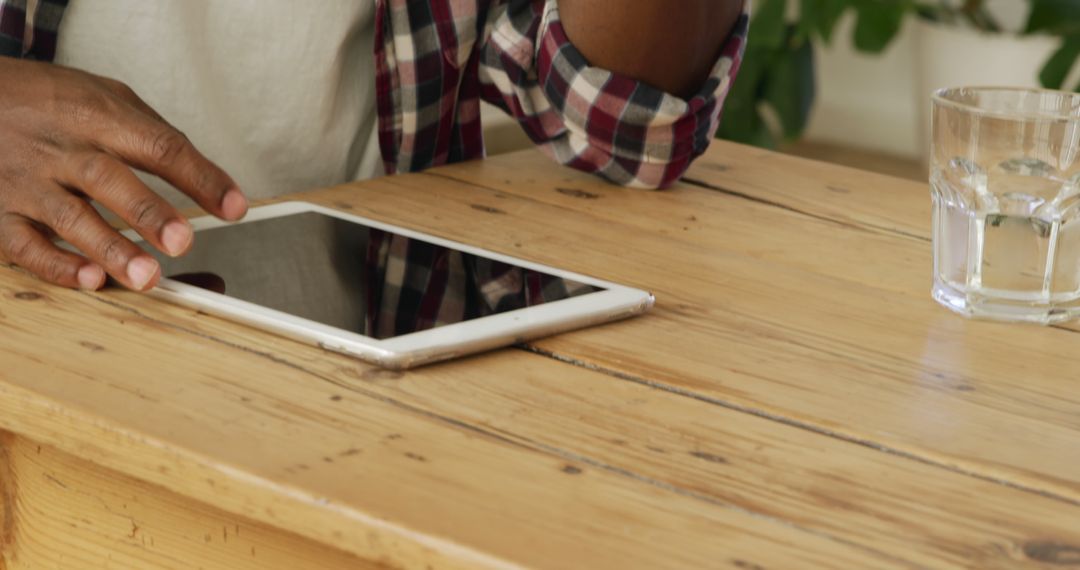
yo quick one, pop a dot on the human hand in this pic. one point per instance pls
(68, 137)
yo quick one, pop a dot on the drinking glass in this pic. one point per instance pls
(1005, 182)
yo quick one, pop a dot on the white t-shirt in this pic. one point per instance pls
(279, 93)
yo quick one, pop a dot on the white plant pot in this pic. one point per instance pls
(953, 56)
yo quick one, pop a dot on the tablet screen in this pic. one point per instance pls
(360, 279)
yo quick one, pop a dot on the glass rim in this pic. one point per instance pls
(939, 97)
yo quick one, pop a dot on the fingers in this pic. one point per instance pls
(126, 93)
(160, 149)
(77, 134)
(117, 121)
(23, 244)
(115, 186)
(80, 224)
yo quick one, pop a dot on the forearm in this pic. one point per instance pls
(669, 44)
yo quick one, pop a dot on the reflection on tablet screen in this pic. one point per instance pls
(360, 279)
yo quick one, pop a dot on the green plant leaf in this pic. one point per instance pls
(754, 132)
(1059, 65)
(767, 26)
(829, 12)
(776, 76)
(740, 107)
(878, 23)
(760, 135)
(789, 88)
(807, 22)
(932, 12)
(819, 17)
(1054, 17)
(742, 121)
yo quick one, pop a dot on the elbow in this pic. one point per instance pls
(659, 176)
(655, 161)
(661, 160)
(626, 171)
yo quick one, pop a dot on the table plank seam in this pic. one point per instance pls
(849, 224)
(498, 193)
(792, 422)
(690, 493)
(424, 540)
(770, 302)
(859, 226)
(299, 368)
(512, 439)
(856, 225)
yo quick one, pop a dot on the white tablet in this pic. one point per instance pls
(380, 293)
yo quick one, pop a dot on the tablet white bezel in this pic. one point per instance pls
(422, 347)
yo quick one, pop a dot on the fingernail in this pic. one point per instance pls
(234, 205)
(91, 277)
(140, 271)
(176, 237)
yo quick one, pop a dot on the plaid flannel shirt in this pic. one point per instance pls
(36, 41)
(436, 60)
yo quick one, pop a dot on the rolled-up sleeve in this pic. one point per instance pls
(592, 119)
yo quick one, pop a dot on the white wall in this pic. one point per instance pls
(866, 101)
(879, 103)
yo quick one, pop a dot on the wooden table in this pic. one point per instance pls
(795, 400)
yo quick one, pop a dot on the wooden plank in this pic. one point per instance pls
(774, 336)
(883, 163)
(723, 220)
(321, 454)
(880, 505)
(903, 511)
(69, 513)
(7, 493)
(828, 190)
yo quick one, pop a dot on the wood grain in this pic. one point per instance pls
(802, 327)
(772, 412)
(264, 438)
(900, 509)
(834, 192)
(72, 514)
(593, 422)
(719, 221)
